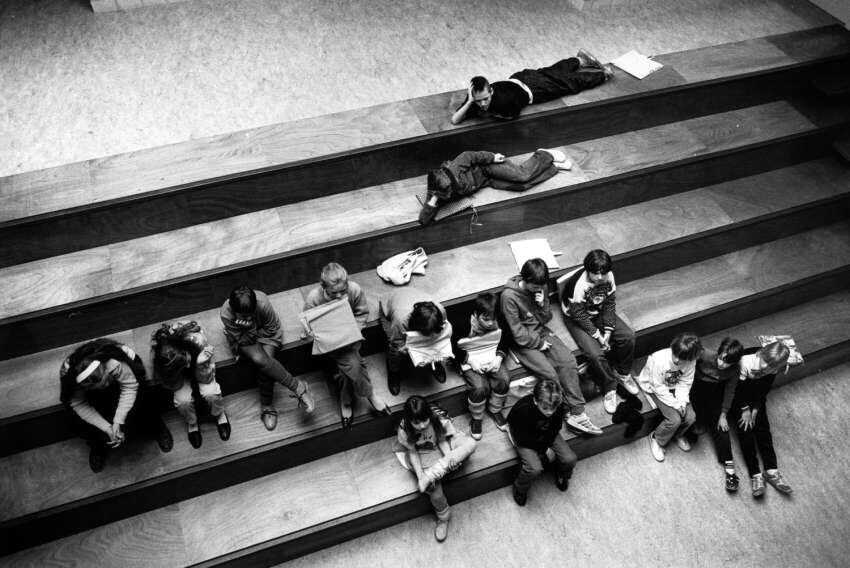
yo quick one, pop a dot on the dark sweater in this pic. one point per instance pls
(708, 372)
(524, 319)
(506, 102)
(752, 393)
(530, 428)
(584, 301)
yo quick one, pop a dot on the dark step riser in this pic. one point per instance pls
(170, 210)
(64, 325)
(51, 425)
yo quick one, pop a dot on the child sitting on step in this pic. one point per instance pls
(353, 374)
(182, 354)
(487, 381)
(253, 331)
(428, 444)
(535, 423)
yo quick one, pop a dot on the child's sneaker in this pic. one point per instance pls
(629, 383)
(441, 531)
(475, 428)
(683, 443)
(557, 155)
(656, 449)
(500, 421)
(305, 399)
(582, 423)
(610, 402)
(757, 483)
(778, 482)
(732, 482)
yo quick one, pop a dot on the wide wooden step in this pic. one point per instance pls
(283, 515)
(102, 201)
(67, 298)
(44, 506)
(646, 238)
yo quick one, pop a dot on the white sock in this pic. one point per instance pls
(729, 467)
(222, 418)
(193, 427)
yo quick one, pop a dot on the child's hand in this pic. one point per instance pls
(683, 410)
(722, 423)
(498, 158)
(746, 420)
(423, 483)
(546, 345)
(538, 297)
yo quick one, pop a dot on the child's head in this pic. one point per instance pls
(534, 274)
(243, 302)
(597, 264)
(171, 352)
(686, 347)
(547, 396)
(418, 415)
(482, 92)
(729, 353)
(334, 281)
(484, 310)
(426, 318)
(439, 183)
(773, 357)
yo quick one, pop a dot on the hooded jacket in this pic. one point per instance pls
(524, 318)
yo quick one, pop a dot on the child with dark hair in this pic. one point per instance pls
(667, 378)
(353, 374)
(535, 422)
(758, 372)
(487, 382)
(716, 378)
(588, 302)
(428, 444)
(525, 307)
(470, 171)
(408, 309)
(253, 331)
(100, 383)
(182, 354)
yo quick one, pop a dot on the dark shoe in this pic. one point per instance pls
(269, 418)
(439, 373)
(732, 482)
(757, 482)
(475, 428)
(394, 382)
(562, 482)
(97, 459)
(427, 214)
(164, 439)
(778, 483)
(500, 421)
(195, 439)
(520, 497)
(224, 430)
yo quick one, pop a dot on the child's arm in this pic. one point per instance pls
(268, 323)
(359, 305)
(683, 387)
(471, 158)
(522, 336)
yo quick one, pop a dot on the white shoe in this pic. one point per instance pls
(557, 155)
(656, 449)
(629, 382)
(683, 444)
(583, 424)
(610, 402)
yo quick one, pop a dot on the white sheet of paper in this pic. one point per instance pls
(534, 248)
(636, 65)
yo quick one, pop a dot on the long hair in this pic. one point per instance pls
(100, 350)
(417, 409)
(172, 351)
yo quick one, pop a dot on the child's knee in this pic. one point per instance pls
(500, 385)
(183, 398)
(209, 390)
(478, 392)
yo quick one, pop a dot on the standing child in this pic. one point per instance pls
(525, 307)
(711, 396)
(429, 445)
(486, 382)
(353, 374)
(667, 378)
(535, 422)
(588, 302)
(758, 371)
(253, 331)
(181, 354)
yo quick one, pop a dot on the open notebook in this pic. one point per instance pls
(636, 65)
(332, 326)
(481, 349)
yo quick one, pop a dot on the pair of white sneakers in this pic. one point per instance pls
(399, 268)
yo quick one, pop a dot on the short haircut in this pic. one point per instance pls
(548, 391)
(686, 346)
(479, 83)
(333, 274)
(535, 271)
(775, 354)
(730, 350)
(598, 261)
(485, 305)
(426, 318)
(439, 183)
(243, 300)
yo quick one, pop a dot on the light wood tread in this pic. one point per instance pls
(488, 264)
(191, 252)
(643, 303)
(232, 154)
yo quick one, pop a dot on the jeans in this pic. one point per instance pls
(262, 356)
(556, 363)
(566, 77)
(518, 177)
(755, 441)
(622, 351)
(352, 369)
(707, 399)
(673, 423)
(532, 464)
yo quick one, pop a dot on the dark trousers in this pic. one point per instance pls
(622, 351)
(143, 420)
(566, 77)
(707, 400)
(520, 177)
(755, 441)
(531, 463)
(556, 363)
(480, 385)
(399, 362)
(352, 370)
(263, 357)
